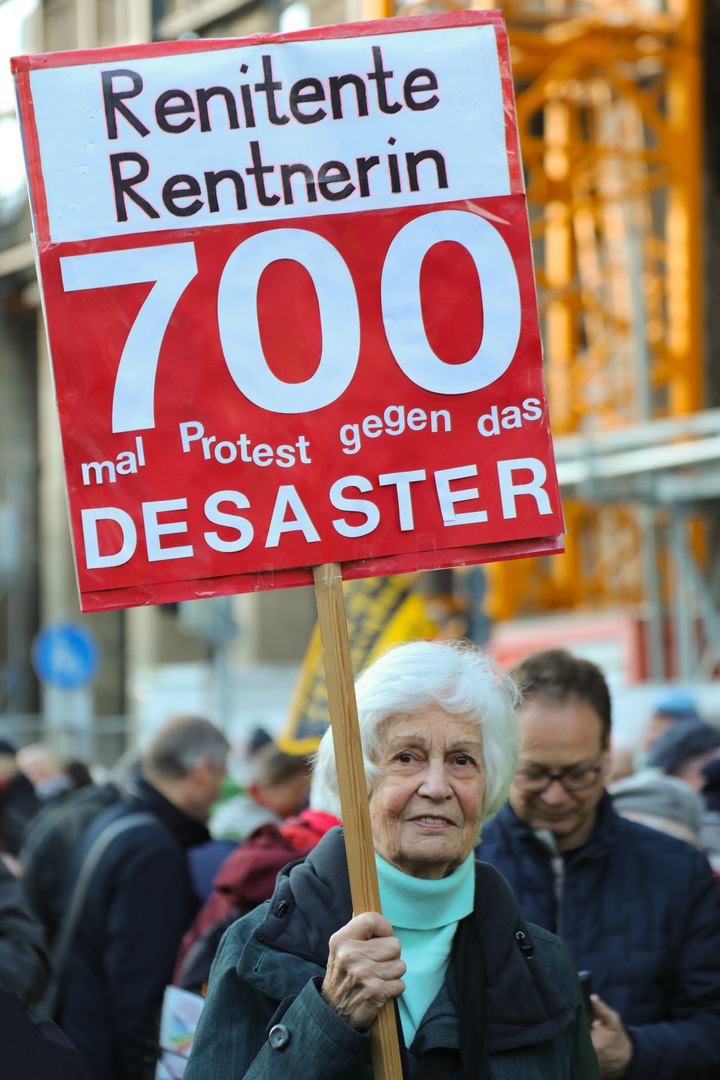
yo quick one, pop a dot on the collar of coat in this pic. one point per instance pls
(601, 840)
(142, 796)
(312, 900)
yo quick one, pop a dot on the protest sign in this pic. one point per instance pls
(289, 295)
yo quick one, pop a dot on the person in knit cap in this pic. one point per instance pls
(674, 706)
(683, 749)
(661, 802)
(710, 832)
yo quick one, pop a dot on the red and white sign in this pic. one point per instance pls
(289, 296)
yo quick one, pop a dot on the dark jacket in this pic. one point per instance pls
(139, 904)
(24, 965)
(32, 1049)
(205, 861)
(641, 911)
(18, 805)
(271, 963)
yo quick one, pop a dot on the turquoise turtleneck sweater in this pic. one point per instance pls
(424, 915)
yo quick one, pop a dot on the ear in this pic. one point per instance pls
(607, 762)
(201, 767)
(256, 794)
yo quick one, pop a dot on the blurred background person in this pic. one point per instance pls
(683, 749)
(45, 771)
(18, 801)
(621, 763)
(140, 900)
(51, 840)
(275, 785)
(673, 706)
(710, 833)
(660, 802)
(78, 772)
(24, 963)
(245, 879)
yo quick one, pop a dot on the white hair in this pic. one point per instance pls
(417, 675)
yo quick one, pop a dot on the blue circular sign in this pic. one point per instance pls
(65, 655)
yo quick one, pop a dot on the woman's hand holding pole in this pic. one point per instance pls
(384, 1045)
(364, 969)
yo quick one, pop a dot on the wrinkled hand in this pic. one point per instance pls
(612, 1043)
(364, 969)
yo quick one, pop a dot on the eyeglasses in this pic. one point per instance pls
(539, 780)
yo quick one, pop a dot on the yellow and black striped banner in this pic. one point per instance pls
(379, 611)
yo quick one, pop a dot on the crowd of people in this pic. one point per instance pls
(516, 846)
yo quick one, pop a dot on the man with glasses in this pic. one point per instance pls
(639, 910)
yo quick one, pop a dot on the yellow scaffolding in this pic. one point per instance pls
(609, 108)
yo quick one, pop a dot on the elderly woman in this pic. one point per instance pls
(297, 983)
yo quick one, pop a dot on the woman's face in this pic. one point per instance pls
(426, 805)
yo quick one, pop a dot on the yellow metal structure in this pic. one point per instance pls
(609, 108)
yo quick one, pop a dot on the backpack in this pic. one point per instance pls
(194, 973)
(60, 953)
(49, 846)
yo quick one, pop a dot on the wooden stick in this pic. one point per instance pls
(353, 791)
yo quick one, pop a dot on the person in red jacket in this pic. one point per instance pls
(245, 879)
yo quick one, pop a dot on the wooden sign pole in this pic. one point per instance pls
(353, 791)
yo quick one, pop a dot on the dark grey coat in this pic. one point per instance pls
(271, 963)
(24, 964)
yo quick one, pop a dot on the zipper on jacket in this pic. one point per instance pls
(548, 843)
(526, 947)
